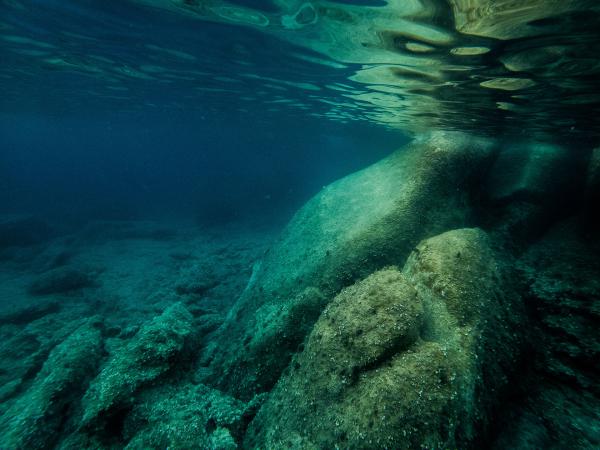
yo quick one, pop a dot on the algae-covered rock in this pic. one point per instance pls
(35, 418)
(27, 336)
(185, 417)
(160, 345)
(563, 291)
(359, 224)
(410, 359)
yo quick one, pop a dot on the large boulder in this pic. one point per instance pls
(355, 226)
(411, 359)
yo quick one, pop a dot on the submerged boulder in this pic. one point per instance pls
(34, 419)
(28, 333)
(23, 314)
(355, 226)
(411, 359)
(563, 274)
(531, 185)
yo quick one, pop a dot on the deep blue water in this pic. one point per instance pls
(213, 167)
(82, 139)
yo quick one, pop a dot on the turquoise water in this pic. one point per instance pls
(299, 224)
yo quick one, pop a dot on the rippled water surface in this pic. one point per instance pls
(483, 65)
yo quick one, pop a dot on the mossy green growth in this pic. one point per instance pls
(160, 345)
(184, 417)
(353, 227)
(396, 360)
(35, 418)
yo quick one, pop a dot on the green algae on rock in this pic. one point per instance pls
(27, 336)
(402, 359)
(353, 227)
(34, 420)
(158, 346)
(185, 416)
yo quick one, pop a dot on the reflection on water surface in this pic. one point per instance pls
(483, 65)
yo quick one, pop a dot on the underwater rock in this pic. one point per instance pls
(411, 359)
(553, 416)
(26, 343)
(533, 171)
(160, 345)
(359, 224)
(61, 258)
(35, 418)
(208, 323)
(61, 281)
(185, 416)
(557, 405)
(532, 185)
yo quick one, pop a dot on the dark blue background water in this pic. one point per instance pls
(221, 167)
(88, 138)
